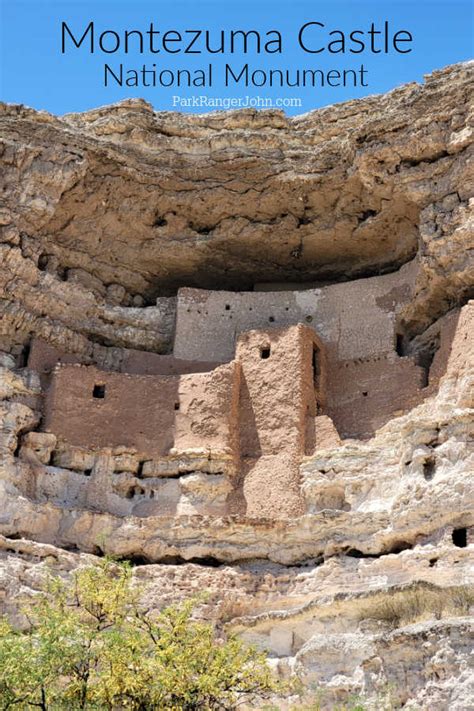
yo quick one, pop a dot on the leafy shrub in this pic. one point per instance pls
(91, 646)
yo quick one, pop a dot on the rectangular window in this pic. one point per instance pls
(99, 391)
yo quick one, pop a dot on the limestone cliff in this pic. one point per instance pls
(320, 489)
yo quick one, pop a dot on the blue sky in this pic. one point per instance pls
(34, 72)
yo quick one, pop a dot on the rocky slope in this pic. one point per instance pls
(105, 213)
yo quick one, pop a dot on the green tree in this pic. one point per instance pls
(90, 645)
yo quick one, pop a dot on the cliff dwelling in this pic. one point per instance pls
(255, 382)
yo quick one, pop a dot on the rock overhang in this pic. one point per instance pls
(154, 201)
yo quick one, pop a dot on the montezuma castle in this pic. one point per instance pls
(236, 350)
(256, 381)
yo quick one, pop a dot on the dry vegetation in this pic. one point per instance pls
(417, 603)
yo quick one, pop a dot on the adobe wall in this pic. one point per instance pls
(208, 414)
(362, 395)
(43, 357)
(256, 416)
(143, 363)
(354, 319)
(277, 396)
(277, 391)
(448, 331)
(254, 410)
(138, 411)
(462, 353)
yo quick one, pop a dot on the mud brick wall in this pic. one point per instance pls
(92, 408)
(447, 334)
(361, 395)
(354, 319)
(43, 357)
(278, 395)
(143, 363)
(277, 390)
(208, 413)
(462, 354)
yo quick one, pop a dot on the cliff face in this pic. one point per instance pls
(105, 216)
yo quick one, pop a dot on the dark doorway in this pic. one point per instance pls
(316, 363)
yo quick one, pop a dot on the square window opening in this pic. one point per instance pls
(265, 352)
(99, 391)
